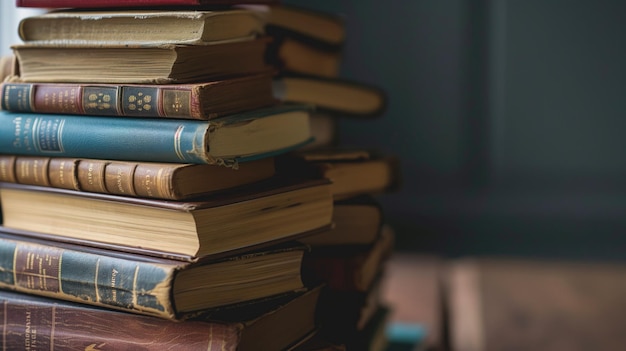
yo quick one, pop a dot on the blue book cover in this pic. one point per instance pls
(227, 140)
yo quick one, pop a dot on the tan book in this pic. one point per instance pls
(323, 27)
(334, 96)
(356, 221)
(171, 181)
(352, 171)
(264, 212)
(141, 26)
(138, 63)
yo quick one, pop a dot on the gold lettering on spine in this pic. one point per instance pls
(114, 273)
(61, 175)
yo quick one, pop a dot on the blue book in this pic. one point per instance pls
(225, 141)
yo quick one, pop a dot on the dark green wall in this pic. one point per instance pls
(507, 116)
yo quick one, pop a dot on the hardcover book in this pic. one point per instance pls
(168, 181)
(349, 268)
(129, 3)
(356, 221)
(323, 29)
(165, 288)
(346, 169)
(30, 321)
(335, 96)
(141, 26)
(224, 141)
(274, 210)
(138, 63)
(292, 55)
(202, 101)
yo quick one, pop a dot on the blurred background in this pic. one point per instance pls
(507, 117)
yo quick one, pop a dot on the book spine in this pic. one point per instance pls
(149, 180)
(103, 100)
(31, 323)
(150, 140)
(125, 284)
(105, 3)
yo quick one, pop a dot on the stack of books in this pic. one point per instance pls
(351, 258)
(156, 190)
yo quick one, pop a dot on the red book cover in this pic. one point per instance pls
(130, 3)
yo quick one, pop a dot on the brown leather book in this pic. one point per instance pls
(169, 181)
(262, 212)
(202, 101)
(31, 322)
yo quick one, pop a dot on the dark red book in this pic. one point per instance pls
(130, 3)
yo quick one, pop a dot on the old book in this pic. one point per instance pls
(349, 268)
(227, 140)
(335, 96)
(32, 322)
(168, 181)
(7, 66)
(138, 63)
(304, 40)
(141, 284)
(252, 215)
(129, 3)
(203, 101)
(318, 28)
(292, 55)
(356, 221)
(345, 168)
(525, 304)
(106, 27)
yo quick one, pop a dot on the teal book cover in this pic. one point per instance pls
(227, 140)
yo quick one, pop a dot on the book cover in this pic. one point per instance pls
(264, 212)
(338, 97)
(200, 27)
(202, 101)
(32, 322)
(140, 284)
(356, 221)
(168, 181)
(224, 141)
(349, 268)
(124, 63)
(129, 3)
(324, 30)
(345, 167)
